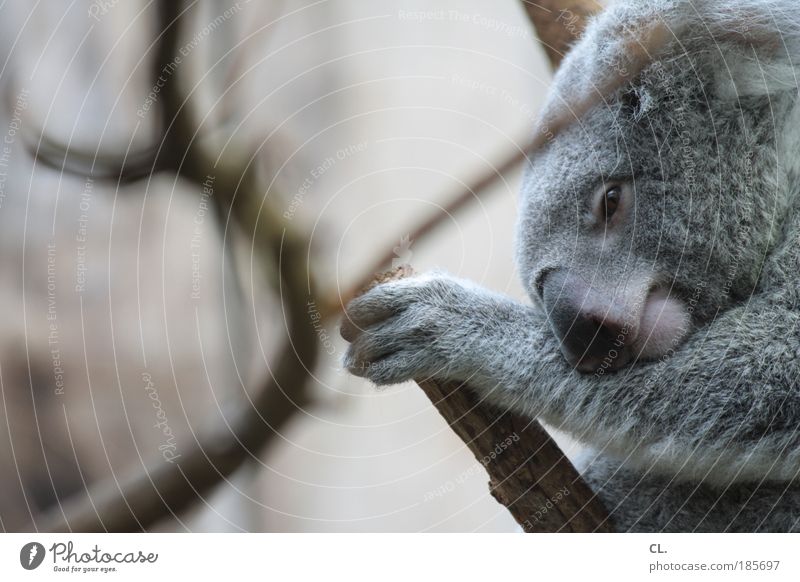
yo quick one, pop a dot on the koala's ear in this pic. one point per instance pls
(754, 48)
(744, 47)
(617, 45)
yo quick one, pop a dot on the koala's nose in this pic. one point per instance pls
(584, 322)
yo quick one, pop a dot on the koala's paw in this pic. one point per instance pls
(414, 328)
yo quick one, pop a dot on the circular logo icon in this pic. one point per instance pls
(31, 555)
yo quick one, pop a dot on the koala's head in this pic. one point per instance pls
(669, 146)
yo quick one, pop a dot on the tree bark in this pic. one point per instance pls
(528, 472)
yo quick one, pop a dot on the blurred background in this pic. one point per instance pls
(131, 317)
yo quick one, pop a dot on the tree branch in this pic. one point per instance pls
(528, 472)
(531, 476)
(558, 24)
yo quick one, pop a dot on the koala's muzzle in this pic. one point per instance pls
(588, 326)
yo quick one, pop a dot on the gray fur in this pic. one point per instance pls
(706, 437)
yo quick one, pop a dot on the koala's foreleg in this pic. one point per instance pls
(723, 405)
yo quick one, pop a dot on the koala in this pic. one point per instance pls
(658, 239)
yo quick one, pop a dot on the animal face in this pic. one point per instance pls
(657, 207)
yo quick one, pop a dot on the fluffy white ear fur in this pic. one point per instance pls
(755, 42)
(758, 74)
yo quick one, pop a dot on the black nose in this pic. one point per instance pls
(583, 321)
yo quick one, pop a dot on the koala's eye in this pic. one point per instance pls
(610, 202)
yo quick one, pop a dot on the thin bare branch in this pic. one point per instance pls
(532, 477)
(558, 24)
